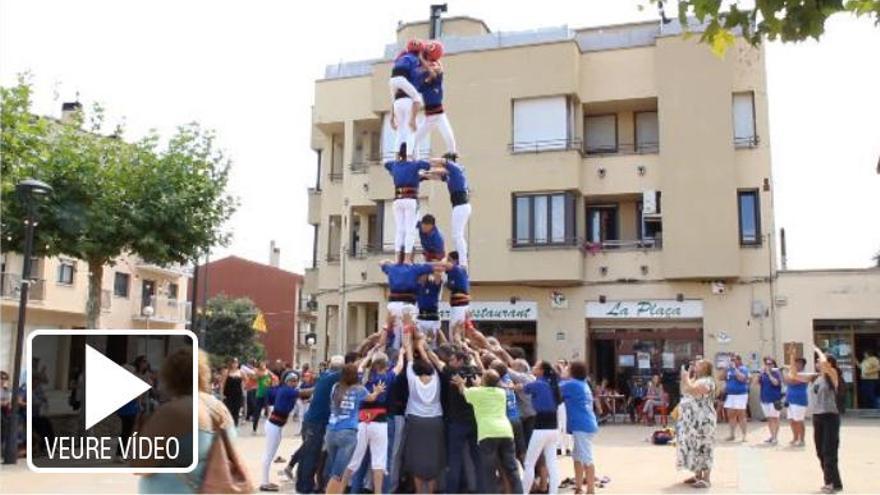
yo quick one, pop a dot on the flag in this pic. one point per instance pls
(260, 323)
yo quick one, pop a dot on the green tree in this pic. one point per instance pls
(164, 204)
(229, 330)
(787, 20)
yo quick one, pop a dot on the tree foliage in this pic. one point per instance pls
(166, 204)
(786, 20)
(229, 331)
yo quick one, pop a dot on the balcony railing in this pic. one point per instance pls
(746, 141)
(619, 245)
(165, 310)
(10, 287)
(370, 250)
(643, 148)
(524, 244)
(563, 144)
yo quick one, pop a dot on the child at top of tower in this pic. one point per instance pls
(405, 95)
(431, 87)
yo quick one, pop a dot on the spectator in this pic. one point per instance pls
(581, 423)
(424, 450)
(826, 389)
(869, 382)
(233, 395)
(545, 398)
(653, 398)
(696, 432)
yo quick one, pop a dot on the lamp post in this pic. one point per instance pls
(28, 191)
(311, 340)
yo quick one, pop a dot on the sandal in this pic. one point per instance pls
(271, 487)
(701, 484)
(690, 481)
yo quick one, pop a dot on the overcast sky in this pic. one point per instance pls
(247, 69)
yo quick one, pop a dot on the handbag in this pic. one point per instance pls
(224, 470)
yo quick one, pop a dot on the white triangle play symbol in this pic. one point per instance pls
(108, 386)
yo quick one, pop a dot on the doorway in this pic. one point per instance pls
(148, 290)
(604, 358)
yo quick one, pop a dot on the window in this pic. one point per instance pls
(647, 132)
(172, 292)
(336, 150)
(650, 225)
(749, 218)
(334, 238)
(744, 120)
(541, 124)
(543, 219)
(121, 283)
(602, 223)
(601, 134)
(66, 270)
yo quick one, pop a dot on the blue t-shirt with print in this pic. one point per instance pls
(512, 409)
(344, 414)
(734, 386)
(578, 400)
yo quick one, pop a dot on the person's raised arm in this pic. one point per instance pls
(826, 369)
(377, 391)
(440, 365)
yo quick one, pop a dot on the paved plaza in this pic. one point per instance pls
(622, 454)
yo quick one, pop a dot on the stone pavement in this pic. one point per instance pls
(622, 453)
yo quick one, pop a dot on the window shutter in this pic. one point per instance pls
(540, 124)
(601, 131)
(647, 131)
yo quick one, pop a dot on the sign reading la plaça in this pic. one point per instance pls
(647, 309)
(497, 311)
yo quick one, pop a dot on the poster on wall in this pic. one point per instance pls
(644, 360)
(668, 360)
(626, 360)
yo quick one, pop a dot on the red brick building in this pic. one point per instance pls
(276, 293)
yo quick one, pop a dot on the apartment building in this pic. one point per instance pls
(134, 294)
(621, 189)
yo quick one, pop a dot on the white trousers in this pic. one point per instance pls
(440, 122)
(542, 442)
(375, 436)
(564, 442)
(402, 108)
(406, 215)
(273, 440)
(397, 309)
(460, 216)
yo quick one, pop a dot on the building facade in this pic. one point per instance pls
(134, 295)
(274, 291)
(621, 189)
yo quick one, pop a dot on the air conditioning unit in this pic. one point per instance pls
(719, 288)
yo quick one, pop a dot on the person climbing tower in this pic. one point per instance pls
(431, 89)
(405, 96)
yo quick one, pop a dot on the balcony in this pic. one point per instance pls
(314, 213)
(10, 287)
(623, 261)
(566, 144)
(164, 310)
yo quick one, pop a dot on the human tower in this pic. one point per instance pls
(416, 84)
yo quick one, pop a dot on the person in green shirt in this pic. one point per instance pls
(494, 433)
(264, 381)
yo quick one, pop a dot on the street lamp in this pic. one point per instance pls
(28, 192)
(311, 340)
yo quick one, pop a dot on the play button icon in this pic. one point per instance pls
(108, 386)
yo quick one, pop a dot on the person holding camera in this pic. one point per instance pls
(770, 381)
(796, 397)
(696, 432)
(737, 400)
(826, 391)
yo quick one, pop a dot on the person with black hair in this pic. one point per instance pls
(796, 397)
(582, 424)
(546, 398)
(826, 419)
(458, 283)
(433, 246)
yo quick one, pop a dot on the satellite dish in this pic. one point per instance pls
(723, 338)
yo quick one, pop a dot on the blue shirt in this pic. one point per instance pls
(734, 386)
(344, 415)
(455, 178)
(578, 400)
(542, 395)
(457, 280)
(432, 242)
(769, 392)
(319, 409)
(406, 173)
(404, 278)
(408, 63)
(283, 399)
(428, 298)
(387, 378)
(512, 409)
(797, 394)
(432, 91)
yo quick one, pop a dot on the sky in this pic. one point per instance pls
(247, 70)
